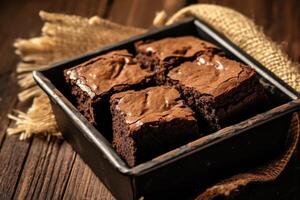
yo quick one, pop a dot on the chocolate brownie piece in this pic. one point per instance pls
(94, 81)
(220, 90)
(149, 122)
(167, 53)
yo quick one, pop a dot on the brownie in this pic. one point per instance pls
(197, 90)
(220, 90)
(164, 54)
(149, 122)
(93, 82)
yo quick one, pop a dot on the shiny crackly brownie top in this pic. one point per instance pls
(101, 74)
(151, 105)
(212, 74)
(184, 46)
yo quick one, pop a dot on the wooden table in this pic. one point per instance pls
(40, 169)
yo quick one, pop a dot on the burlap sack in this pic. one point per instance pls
(64, 36)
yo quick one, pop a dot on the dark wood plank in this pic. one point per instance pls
(31, 176)
(280, 20)
(13, 152)
(8, 100)
(12, 156)
(83, 184)
(8, 35)
(46, 170)
(141, 13)
(119, 11)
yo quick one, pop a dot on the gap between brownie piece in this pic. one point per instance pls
(150, 122)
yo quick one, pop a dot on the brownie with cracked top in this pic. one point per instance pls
(93, 82)
(164, 54)
(220, 90)
(150, 122)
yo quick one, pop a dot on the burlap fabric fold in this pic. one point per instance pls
(65, 36)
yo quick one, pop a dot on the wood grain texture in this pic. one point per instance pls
(141, 13)
(12, 156)
(7, 101)
(83, 184)
(41, 169)
(46, 171)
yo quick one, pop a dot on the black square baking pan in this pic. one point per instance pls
(192, 166)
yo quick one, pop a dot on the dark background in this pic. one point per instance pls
(40, 169)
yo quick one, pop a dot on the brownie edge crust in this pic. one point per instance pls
(150, 122)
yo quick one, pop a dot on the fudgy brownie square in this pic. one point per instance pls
(93, 82)
(218, 89)
(164, 54)
(149, 122)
